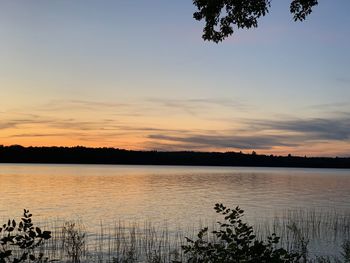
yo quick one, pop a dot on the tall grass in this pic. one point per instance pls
(122, 242)
(318, 236)
(318, 232)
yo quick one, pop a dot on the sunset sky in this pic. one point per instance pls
(137, 75)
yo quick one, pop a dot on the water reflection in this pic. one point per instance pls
(177, 194)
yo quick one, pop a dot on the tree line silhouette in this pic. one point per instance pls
(87, 155)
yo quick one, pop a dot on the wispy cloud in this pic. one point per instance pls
(27, 135)
(160, 133)
(7, 124)
(331, 107)
(18, 122)
(225, 141)
(197, 106)
(311, 129)
(199, 101)
(263, 134)
(57, 105)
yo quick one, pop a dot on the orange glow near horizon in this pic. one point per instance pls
(112, 75)
(153, 129)
(139, 143)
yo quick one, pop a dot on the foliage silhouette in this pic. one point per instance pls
(22, 238)
(236, 242)
(221, 15)
(84, 155)
(346, 251)
(73, 241)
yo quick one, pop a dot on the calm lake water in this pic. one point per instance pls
(172, 193)
(181, 196)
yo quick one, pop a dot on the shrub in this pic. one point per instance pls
(18, 242)
(73, 241)
(235, 242)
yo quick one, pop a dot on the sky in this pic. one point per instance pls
(137, 75)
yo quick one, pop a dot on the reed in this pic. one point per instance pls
(320, 236)
(308, 231)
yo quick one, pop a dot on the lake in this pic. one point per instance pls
(181, 196)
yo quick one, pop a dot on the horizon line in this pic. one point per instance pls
(253, 152)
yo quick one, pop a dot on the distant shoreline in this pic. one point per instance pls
(86, 155)
(174, 165)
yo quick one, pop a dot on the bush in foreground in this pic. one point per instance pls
(235, 242)
(18, 242)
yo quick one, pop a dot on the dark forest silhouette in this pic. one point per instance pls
(85, 155)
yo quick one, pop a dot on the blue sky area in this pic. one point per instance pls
(137, 75)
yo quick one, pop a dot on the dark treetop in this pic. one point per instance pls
(84, 155)
(221, 16)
